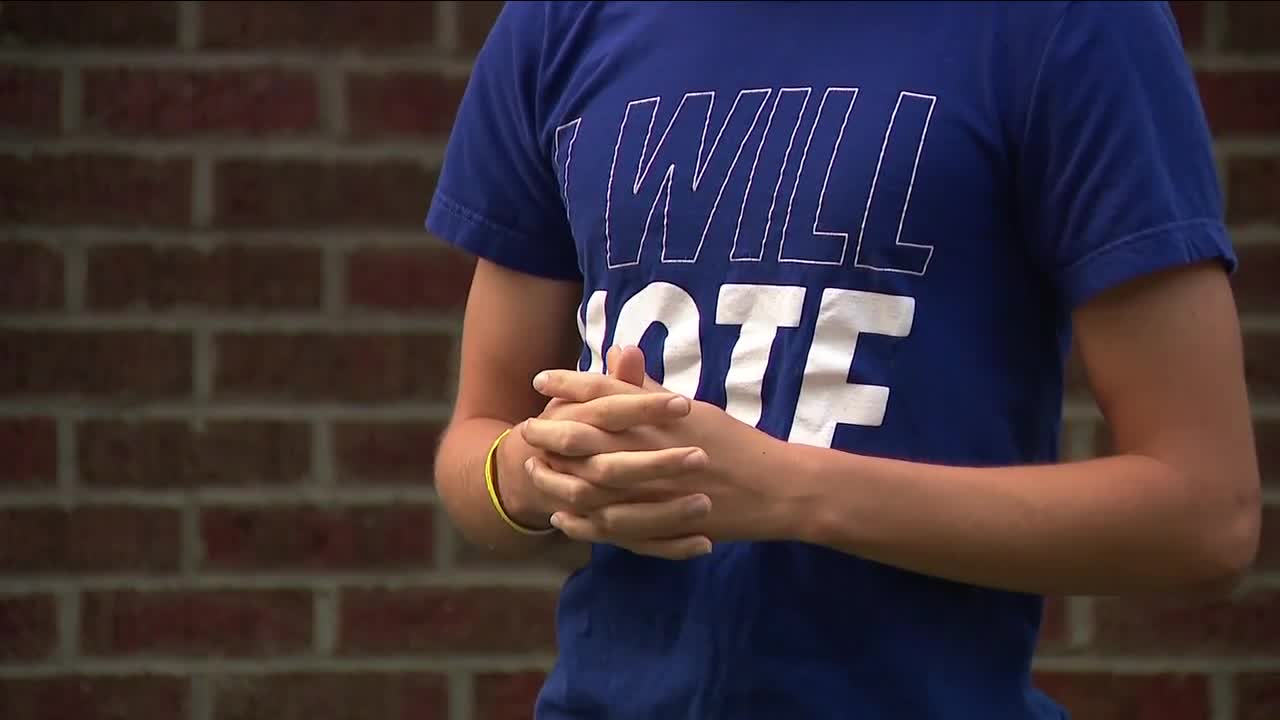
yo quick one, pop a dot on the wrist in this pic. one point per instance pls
(804, 507)
(516, 493)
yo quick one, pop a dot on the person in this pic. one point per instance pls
(772, 306)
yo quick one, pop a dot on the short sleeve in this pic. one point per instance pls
(1116, 174)
(498, 197)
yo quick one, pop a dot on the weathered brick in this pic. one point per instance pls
(1054, 632)
(320, 193)
(94, 697)
(134, 24)
(409, 279)
(31, 276)
(1262, 363)
(97, 539)
(507, 696)
(1100, 696)
(475, 22)
(57, 189)
(126, 363)
(314, 366)
(1252, 27)
(386, 452)
(163, 454)
(158, 102)
(229, 277)
(28, 452)
(1254, 280)
(1253, 189)
(446, 620)
(1245, 102)
(1267, 440)
(328, 26)
(348, 696)
(29, 626)
(1238, 626)
(1190, 17)
(304, 538)
(402, 103)
(1257, 696)
(230, 623)
(1268, 559)
(30, 98)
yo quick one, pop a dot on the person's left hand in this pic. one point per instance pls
(746, 503)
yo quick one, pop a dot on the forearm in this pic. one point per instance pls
(1103, 526)
(460, 480)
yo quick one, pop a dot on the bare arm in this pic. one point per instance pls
(1177, 504)
(515, 326)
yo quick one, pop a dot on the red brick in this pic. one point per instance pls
(28, 452)
(94, 697)
(1098, 696)
(304, 538)
(29, 626)
(351, 696)
(1242, 625)
(1268, 559)
(165, 454)
(229, 277)
(318, 193)
(233, 623)
(31, 276)
(1252, 27)
(1258, 696)
(313, 366)
(98, 539)
(133, 363)
(402, 103)
(507, 696)
(1253, 189)
(1267, 440)
(386, 452)
(30, 98)
(328, 25)
(1054, 632)
(1190, 17)
(409, 278)
(95, 188)
(1241, 102)
(446, 620)
(103, 24)
(134, 101)
(1254, 280)
(1262, 363)
(477, 18)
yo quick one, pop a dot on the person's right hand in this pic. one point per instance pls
(614, 413)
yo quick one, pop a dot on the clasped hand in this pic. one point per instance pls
(628, 463)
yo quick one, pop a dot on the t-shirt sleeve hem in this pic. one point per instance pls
(473, 233)
(1154, 250)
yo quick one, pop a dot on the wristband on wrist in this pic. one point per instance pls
(490, 481)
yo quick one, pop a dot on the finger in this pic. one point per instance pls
(615, 413)
(685, 548)
(611, 360)
(581, 386)
(567, 437)
(637, 521)
(629, 364)
(628, 469)
(570, 490)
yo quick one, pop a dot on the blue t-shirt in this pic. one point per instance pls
(858, 225)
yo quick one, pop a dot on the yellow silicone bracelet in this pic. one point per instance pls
(490, 476)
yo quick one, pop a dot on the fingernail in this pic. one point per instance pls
(540, 381)
(555, 520)
(695, 460)
(704, 548)
(528, 466)
(700, 505)
(678, 405)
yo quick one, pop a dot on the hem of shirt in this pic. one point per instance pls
(1161, 248)
(472, 232)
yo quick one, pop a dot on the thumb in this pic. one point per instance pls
(627, 364)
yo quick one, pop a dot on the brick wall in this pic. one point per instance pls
(226, 349)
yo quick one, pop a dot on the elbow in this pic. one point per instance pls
(1229, 542)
